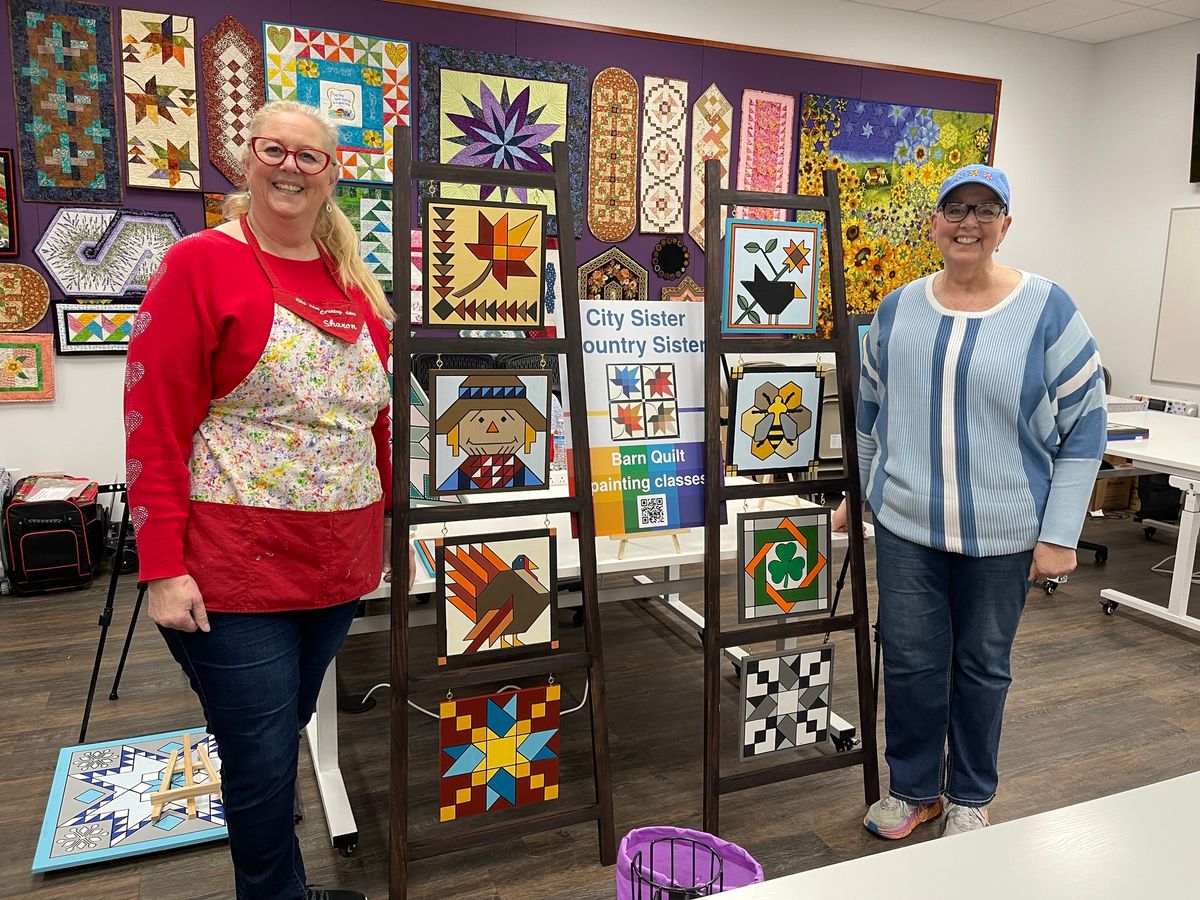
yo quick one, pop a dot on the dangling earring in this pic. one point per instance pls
(328, 208)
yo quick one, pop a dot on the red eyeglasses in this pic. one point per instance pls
(271, 152)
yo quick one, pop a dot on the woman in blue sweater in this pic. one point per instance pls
(981, 425)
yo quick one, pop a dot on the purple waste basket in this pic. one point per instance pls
(687, 863)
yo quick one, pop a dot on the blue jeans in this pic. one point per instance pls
(257, 676)
(947, 623)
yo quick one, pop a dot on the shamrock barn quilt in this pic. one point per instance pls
(498, 751)
(783, 563)
(362, 82)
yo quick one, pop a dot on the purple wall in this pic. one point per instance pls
(733, 71)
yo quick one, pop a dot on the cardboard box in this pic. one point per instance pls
(1113, 494)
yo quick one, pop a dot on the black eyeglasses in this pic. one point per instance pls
(985, 213)
(271, 152)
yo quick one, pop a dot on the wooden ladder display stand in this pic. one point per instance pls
(717, 493)
(181, 761)
(590, 660)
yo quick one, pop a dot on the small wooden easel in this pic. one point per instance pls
(673, 533)
(191, 789)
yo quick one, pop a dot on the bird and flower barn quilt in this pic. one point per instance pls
(770, 277)
(101, 801)
(496, 593)
(362, 82)
(484, 264)
(891, 159)
(68, 150)
(491, 430)
(785, 699)
(783, 563)
(774, 420)
(502, 112)
(162, 128)
(498, 751)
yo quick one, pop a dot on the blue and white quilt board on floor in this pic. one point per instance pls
(100, 802)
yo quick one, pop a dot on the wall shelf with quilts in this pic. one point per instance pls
(483, 268)
(767, 302)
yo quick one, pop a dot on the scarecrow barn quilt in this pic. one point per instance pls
(158, 71)
(785, 699)
(491, 430)
(496, 593)
(783, 563)
(773, 420)
(498, 751)
(485, 265)
(362, 82)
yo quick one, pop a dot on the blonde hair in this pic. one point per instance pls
(332, 230)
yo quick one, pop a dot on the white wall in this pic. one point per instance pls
(1065, 108)
(1140, 124)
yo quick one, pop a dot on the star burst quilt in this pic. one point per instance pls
(362, 82)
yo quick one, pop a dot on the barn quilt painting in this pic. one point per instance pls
(162, 128)
(362, 82)
(785, 699)
(99, 806)
(496, 594)
(503, 112)
(93, 328)
(890, 160)
(498, 751)
(783, 563)
(231, 63)
(774, 417)
(770, 278)
(485, 264)
(64, 50)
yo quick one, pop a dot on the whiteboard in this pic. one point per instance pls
(1176, 348)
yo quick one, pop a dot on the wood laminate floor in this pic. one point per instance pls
(1100, 704)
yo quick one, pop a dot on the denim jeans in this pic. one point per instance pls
(257, 676)
(947, 623)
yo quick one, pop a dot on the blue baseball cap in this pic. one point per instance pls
(988, 176)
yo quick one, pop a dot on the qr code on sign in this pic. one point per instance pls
(652, 510)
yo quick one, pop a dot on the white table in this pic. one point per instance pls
(1131, 845)
(644, 552)
(1173, 448)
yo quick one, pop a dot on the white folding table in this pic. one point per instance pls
(1174, 449)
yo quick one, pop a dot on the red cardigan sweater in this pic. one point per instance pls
(201, 329)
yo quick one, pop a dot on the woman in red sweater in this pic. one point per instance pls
(259, 469)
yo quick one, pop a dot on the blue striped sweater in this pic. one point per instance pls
(981, 433)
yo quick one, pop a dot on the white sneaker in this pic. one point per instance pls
(961, 819)
(893, 818)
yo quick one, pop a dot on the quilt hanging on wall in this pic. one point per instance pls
(783, 563)
(26, 367)
(890, 160)
(491, 430)
(712, 138)
(93, 328)
(231, 63)
(498, 751)
(369, 210)
(485, 263)
(785, 699)
(362, 82)
(612, 156)
(100, 802)
(496, 594)
(770, 277)
(765, 149)
(10, 239)
(613, 275)
(502, 112)
(24, 297)
(162, 128)
(664, 149)
(66, 110)
(774, 417)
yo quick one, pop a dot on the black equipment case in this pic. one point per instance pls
(52, 545)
